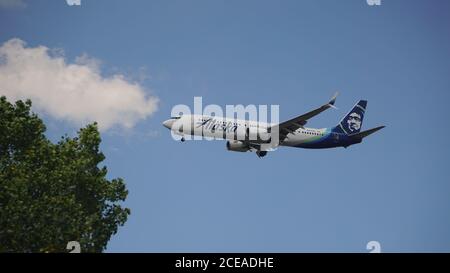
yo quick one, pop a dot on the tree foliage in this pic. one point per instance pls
(51, 194)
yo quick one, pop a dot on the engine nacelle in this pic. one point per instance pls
(237, 146)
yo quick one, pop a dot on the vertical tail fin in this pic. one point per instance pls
(353, 121)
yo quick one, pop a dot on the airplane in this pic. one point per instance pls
(291, 133)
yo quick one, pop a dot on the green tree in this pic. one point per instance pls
(51, 194)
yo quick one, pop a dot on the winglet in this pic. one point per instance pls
(333, 101)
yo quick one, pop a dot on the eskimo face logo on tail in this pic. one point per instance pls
(354, 122)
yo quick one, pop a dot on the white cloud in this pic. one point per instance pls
(12, 4)
(75, 92)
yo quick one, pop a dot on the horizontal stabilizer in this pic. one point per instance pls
(366, 133)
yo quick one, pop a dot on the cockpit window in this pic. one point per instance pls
(175, 117)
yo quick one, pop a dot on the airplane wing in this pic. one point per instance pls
(291, 125)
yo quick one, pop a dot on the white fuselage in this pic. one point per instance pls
(235, 129)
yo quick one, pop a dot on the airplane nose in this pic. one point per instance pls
(168, 123)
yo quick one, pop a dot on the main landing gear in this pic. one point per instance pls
(261, 154)
(183, 139)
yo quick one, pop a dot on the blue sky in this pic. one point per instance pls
(196, 196)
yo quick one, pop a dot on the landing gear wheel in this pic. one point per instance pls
(182, 139)
(261, 154)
